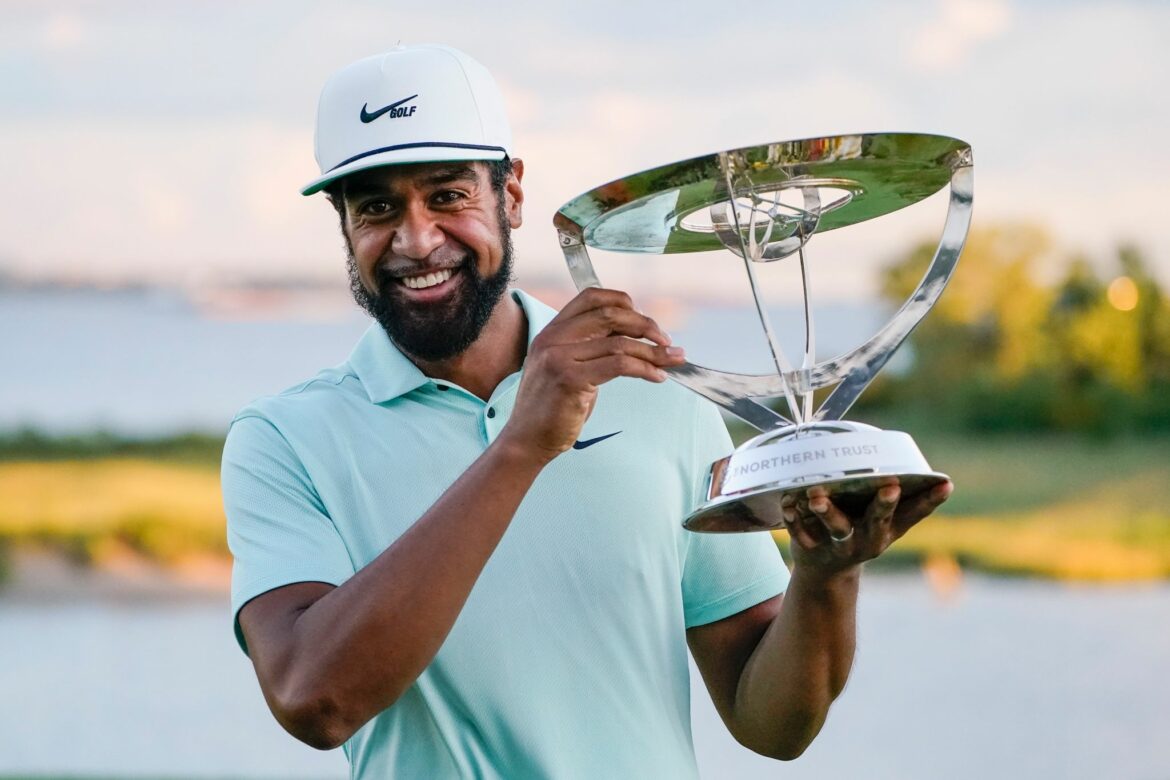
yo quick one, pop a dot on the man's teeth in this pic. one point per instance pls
(427, 280)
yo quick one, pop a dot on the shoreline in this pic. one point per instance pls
(43, 576)
(47, 577)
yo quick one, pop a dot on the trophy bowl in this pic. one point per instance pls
(764, 204)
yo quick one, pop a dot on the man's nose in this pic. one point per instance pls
(417, 234)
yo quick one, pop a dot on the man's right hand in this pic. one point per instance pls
(595, 338)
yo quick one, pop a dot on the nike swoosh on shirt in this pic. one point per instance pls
(368, 117)
(580, 445)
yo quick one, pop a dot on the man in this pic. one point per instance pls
(459, 553)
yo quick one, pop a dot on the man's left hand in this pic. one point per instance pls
(827, 540)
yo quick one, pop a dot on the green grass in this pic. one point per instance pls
(1013, 475)
(1065, 507)
(30, 444)
(96, 496)
(1068, 507)
(96, 508)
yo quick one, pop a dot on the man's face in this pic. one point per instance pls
(430, 251)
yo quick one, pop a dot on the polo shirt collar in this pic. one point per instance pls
(386, 373)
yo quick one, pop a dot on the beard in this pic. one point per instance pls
(440, 330)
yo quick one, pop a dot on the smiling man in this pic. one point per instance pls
(436, 310)
(459, 553)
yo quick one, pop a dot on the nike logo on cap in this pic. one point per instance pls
(580, 445)
(367, 116)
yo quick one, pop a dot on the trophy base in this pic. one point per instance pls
(760, 511)
(746, 490)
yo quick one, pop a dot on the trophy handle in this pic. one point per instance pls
(730, 391)
(577, 257)
(855, 370)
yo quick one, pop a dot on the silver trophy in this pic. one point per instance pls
(764, 203)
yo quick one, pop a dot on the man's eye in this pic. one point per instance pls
(376, 208)
(447, 197)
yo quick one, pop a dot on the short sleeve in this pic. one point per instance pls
(278, 529)
(724, 574)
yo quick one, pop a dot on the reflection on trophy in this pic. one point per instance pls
(765, 203)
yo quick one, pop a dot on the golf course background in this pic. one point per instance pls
(1061, 506)
(1047, 402)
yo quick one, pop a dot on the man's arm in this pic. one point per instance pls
(774, 669)
(329, 659)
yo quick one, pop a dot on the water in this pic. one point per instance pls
(1011, 679)
(148, 362)
(145, 362)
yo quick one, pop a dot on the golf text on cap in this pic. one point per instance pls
(393, 109)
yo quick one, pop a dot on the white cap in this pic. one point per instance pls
(412, 104)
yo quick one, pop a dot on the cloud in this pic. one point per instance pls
(165, 209)
(63, 30)
(959, 27)
(160, 199)
(159, 136)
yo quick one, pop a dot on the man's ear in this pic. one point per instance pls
(514, 194)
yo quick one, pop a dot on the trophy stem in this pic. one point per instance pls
(750, 251)
(810, 339)
(783, 367)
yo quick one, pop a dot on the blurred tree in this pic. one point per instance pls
(1003, 351)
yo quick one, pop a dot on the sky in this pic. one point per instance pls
(165, 142)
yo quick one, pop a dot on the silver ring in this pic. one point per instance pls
(842, 539)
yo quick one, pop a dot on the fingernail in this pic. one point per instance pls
(660, 375)
(819, 505)
(890, 493)
(675, 351)
(942, 491)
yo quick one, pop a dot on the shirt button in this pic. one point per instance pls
(491, 412)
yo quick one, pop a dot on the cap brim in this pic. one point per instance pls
(403, 155)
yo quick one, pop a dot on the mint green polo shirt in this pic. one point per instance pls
(570, 658)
